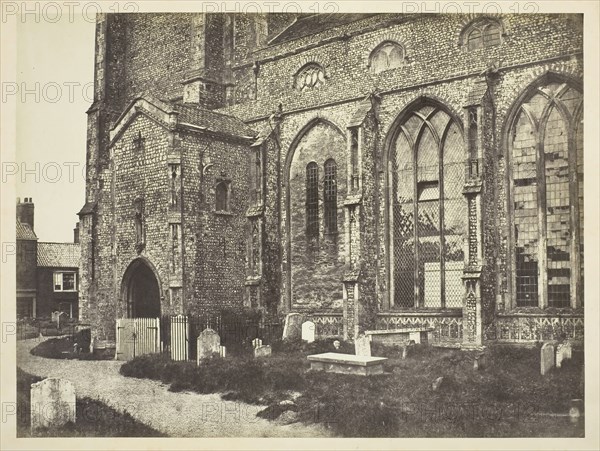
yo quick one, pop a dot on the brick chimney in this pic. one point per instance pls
(25, 211)
(76, 233)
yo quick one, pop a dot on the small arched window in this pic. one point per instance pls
(483, 35)
(222, 196)
(310, 76)
(386, 56)
(312, 199)
(330, 196)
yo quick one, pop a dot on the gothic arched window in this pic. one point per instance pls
(546, 152)
(330, 196)
(387, 55)
(312, 200)
(483, 34)
(222, 196)
(427, 211)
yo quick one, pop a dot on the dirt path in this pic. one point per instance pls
(176, 414)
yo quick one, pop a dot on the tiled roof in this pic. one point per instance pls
(361, 112)
(308, 24)
(58, 255)
(87, 208)
(216, 122)
(25, 232)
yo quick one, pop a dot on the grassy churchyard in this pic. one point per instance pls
(506, 398)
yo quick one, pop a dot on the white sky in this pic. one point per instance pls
(55, 63)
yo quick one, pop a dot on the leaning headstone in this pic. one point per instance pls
(292, 328)
(209, 344)
(546, 358)
(362, 346)
(308, 331)
(52, 403)
(262, 351)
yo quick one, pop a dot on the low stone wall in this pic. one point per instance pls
(532, 328)
(447, 328)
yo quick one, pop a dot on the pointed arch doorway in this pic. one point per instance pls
(141, 290)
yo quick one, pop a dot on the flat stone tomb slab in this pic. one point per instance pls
(332, 362)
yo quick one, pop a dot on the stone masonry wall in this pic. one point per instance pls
(437, 66)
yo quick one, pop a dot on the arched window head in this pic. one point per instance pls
(310, 76)
(482, 34)
(312, 199)
(222, 196)
(388, 55)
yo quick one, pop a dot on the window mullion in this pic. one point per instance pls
(542, 225)
(417, 277)
(441, 223)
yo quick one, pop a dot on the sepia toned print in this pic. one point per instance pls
(316, 225)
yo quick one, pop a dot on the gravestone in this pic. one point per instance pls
(480, 361)
(52, 403)
(292, 328)
(576, 410)
(256, 343)
(209, 344)
(564, 351)
(222, 351)
(407, 350)
(547, 354)
(435, 386)
(262, 351)
(308, 331)
(56, 318)
(362, 346)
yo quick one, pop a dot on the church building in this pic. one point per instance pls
(369, 171)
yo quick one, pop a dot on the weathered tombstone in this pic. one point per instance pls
(435, 386)
(560, 355)
(576, 410)
(222, 351)
(480, 361)
(256, 343)
(52, 403)
(308, 331)
(564, 351)
(262, 351)
(546, 358)
(362, 346)
(404, 352)
(292, 328)
(209, 344)
(56, 318)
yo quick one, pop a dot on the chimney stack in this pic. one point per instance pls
(76, 233)
(25, 211)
